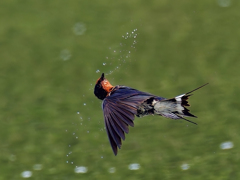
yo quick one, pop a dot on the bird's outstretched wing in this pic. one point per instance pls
(119, 111)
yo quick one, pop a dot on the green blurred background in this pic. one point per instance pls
(51, 54)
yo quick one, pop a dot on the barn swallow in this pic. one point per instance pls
(121, 104)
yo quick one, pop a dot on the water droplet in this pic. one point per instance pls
(65, 54)
(26, 174)
(79, 28)
(80, 169)
(97, 71)
(37, 167)
(112, 170)
(134, 166)
(224, 3)
(104, 64)
(185, 166)
(226, 145)
(12, 157)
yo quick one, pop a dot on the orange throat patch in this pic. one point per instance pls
(107, 86)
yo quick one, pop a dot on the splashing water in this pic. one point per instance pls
(224, 3)
(12, 157)
(26, 174)
(80, 169)
(112, 170)
(226, 145)
(37, 167)
(79, 28)
(121, 52)
(65, 54)
(185, 166)
(134, 166)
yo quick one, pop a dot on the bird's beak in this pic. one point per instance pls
(102, 77)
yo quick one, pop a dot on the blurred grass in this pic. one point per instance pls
(180, 46)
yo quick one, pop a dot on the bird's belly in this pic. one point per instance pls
(166, 107)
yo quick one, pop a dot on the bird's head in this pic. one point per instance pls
(102, 88)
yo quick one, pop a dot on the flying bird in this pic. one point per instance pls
(121, 104)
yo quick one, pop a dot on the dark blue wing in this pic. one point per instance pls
(119, 111)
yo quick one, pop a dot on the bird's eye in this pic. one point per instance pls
(98, 85)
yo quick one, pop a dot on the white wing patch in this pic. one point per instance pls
(179, 98)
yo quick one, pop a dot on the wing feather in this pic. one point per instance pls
(120, 123)
(116, 127)
(112, 142)
(119, 111)
(125, 115)
(113, 133)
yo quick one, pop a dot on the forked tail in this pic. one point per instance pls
(175, 108)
